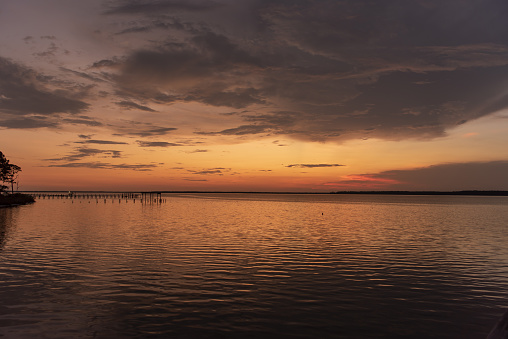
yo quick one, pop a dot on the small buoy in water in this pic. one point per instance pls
(322, 213)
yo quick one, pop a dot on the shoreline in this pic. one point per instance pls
(16, 199)
(463, 193)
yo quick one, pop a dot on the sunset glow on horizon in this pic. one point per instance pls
(284, 96)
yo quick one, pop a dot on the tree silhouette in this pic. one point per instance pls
(8, 172)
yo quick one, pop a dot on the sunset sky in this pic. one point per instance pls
(255, 95)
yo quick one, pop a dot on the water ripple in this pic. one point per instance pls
(274, 266)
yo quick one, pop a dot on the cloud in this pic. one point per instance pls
(28, 123)
(442, 177)
(157, 144)
(240, 130)
(238, 98)
(346, 29)
(101, 142)
(131, 105)
(106, 63)
(326, 70)
(199, 151)
(104, 165)
(308, 70)
(159, 23)
(29, 39)
(314, 165)
(140, 129)
(83, 75)
(205, 68)
(279, 143)
(156, 7)
(211, 171)
(83, 152)
(82, 121)
(24, 91)
(50, 52)
(365, 182)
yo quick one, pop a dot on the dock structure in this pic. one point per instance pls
(151, 197)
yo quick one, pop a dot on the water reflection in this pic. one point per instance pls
(239, 267)
(6, 223)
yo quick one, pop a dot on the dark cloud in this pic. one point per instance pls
(160, 6)
(83, 75)
(199, 151)
(137, 29)
(240, 130)
(168, 68)
(443, 177)
(281, 119)
(208, 171)
(101, 142)
(409, 42)
(24, 91)
(104, 165)
(142, 130)
(157, 144)
(321, 70)
(278, 143)
(29, 39)
(82, 121)
(221, 51)
(238, 98)
(345, 28)
(84, 152)
(133, 105)
(403, 105)
(51, 51)
(85, 136)
(314, 165)
(161, 23)
(199, 70)
(106, 63)
(28, 123)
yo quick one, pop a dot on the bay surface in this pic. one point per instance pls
(255, 265)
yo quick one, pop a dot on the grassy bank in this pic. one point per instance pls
(15, 199)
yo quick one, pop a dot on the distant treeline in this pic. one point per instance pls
(471, 192)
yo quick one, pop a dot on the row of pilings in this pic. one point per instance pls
(143, 197)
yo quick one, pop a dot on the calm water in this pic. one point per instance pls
(250, 266)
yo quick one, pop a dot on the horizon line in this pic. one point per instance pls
(387, 192)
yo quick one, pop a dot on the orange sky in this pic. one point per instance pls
(253, 96)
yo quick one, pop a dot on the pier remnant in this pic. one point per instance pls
(144, 197)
